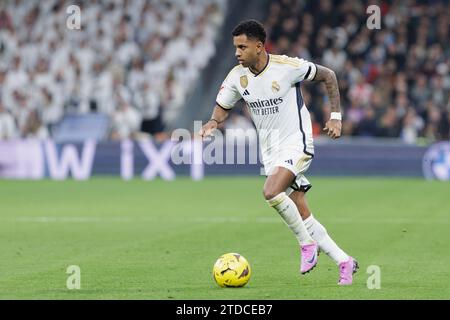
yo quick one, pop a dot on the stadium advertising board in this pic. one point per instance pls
(145, 159)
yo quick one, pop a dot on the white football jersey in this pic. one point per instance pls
(275, 102)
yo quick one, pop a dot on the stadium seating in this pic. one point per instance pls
(145, 55)
(394, 82)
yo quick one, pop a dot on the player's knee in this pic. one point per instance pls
(270, 193)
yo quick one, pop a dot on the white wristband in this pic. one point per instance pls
(336, 116)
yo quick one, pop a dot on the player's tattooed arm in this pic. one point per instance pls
(333, 126)
(329, 78)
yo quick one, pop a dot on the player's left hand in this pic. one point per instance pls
(333, 128)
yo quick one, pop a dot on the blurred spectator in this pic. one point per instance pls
(34, 128)
(361, 91)
(149, 103)
(368, 125)
(50, 107)
(126, 121)
(334, 58)
(389, 124)
(353, 118)
(412, 125)
(7, 125)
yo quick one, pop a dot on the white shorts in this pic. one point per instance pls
(295, 161)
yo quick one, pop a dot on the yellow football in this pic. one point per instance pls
(232, 270)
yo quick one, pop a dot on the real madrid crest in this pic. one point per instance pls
(275, 86)
(244, 82)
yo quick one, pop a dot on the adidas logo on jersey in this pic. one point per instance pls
(289, 161)
(246, 93)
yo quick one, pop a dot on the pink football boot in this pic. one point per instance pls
(346, 271)
(309, 257)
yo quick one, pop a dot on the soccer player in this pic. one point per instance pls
(270, 86)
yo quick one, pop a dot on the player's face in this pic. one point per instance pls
(247, 50)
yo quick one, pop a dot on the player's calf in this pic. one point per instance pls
(287, 209)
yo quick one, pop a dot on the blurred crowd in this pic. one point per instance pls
(133, 60)
(137, 60)
(394, 82)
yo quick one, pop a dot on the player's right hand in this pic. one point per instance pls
(333, 128)
(208, 129)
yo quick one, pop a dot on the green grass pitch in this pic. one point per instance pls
(159, 240)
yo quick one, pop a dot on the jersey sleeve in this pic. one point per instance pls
(303, 70)
(228, 94)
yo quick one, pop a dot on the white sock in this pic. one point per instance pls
(289, 212)
(326, 244)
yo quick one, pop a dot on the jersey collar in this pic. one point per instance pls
(264, 69)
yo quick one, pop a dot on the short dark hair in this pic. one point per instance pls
(252, 29)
